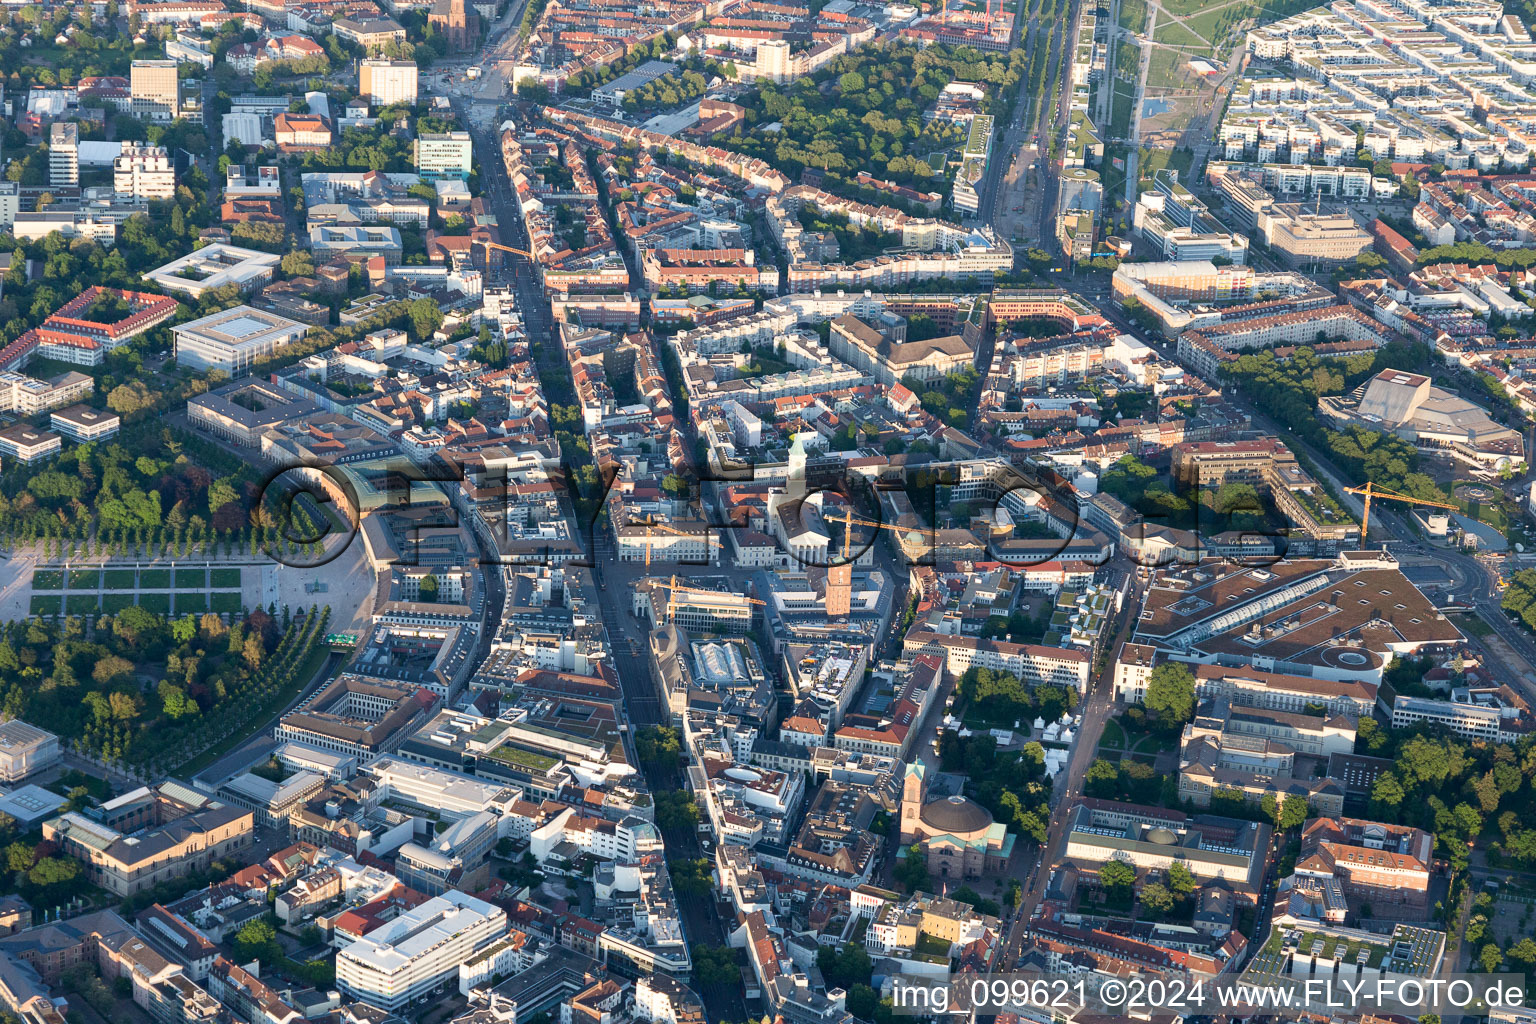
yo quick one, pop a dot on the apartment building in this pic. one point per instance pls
(247, 997)
(142, 173)
(1032, 663)
(64, 154)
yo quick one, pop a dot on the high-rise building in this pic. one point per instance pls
(144, 172)
(154, 89)
(64, 154)
(447, 155)
(385, 82)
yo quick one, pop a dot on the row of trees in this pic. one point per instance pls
(95, 679)
(1000, 699)
(1288, 391)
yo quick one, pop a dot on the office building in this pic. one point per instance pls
(64, 155)
(1233, 851)
(356, 242)
(1384, 864)
(406, 958)
(26, 443)
(154, 89)
(359, 716)
(82, 423)
(445, 155)
(10, 203)
(387, 82)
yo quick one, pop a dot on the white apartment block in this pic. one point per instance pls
(1419, 81)
(29, 396)
(144, 172)
(1033, 664)
(64, 155)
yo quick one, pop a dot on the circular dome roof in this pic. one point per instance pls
(1162, 836)
(956, 815)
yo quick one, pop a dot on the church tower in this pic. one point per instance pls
(913, 789)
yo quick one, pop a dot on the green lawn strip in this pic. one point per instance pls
(155, 579)
(111, 603)
(160, 604)
(1175, 33)
(1215, 26)
(194, 604)
(1113, 736)
(228, 602)
(47, 579)
(194, 579)
(45, 605)
(1154, 160)
(80, 579)
(81, 604)
(301, 678)
(226, 577)
(1168, 69)
(1471, 623)
(1133, 14)
(118, 579)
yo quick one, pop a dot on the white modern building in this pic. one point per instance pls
(214, 266)
(404, 959)
(256, 180)
(387, 82)
(64, 154)
(447, 155)
(234, 339)
(25, 749)
(144, 172)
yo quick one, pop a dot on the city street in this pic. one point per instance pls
(1096, 711)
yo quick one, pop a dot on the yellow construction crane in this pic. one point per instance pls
(1371, 490)
(651, 526)
(503, 248)
(848, 519)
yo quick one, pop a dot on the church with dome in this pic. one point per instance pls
(958, 835)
